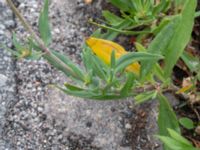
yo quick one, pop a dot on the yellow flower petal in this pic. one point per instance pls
(103, 49)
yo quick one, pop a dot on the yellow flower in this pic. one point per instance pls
(103, 49)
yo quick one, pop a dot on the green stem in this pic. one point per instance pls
(120, 31)
(38, 40)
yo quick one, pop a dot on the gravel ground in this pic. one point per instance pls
(7, 76)
(43, 118)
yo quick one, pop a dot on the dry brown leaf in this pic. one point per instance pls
(196, 143)
(197, 130)
(186, 85)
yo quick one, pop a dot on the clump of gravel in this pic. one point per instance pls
(42, 117)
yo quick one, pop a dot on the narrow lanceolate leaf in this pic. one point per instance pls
(132, 57)
(86, 57)
(72, 87)
(143, 97)
(90, 94)
(181, 36)
(113, 60)
(178, 137)
(16, 43)
(44, 27)
(128, 85)
(123, 5)
(161, 7)
(158, 45)
(112, 19)
(167, 117)
(103, 49)
(97, 68)
(173, 144)
(74, 71)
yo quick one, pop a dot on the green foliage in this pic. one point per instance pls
(100, 81)
(145, 96)
(129, 58)
(44, 27)
(159, 45)
(187, 123)
(147, 14)
(191, 61)
(174, 141)
(128, 84)
(75, 71)
(167, 117)
(24, 50)
(181, 36)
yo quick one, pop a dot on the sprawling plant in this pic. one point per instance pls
(110, 72)
(149, 15)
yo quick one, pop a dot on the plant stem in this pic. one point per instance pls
(120, 31)
(25, 23)
(38, 39)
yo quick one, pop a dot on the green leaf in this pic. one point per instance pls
(161, 7)
(170, 143)
(145, 96)
(164, 22)
(167, 117)
(76, 69)
(113, 60)
(191, 61)
(159, 73)
(173, 144)
(187, 123)
(78, 93)
(131, 57)
(91, 62)
(91, 94)
(112, 65)
(123, 5)
(74, 72)
(73, 87)
(97, 68)
(86, 57)
(159, 45)
(140, 47)
(44, 27)
(181, 36)
(178, 137)
(112, 19)
(128, 85)
(19, 47)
